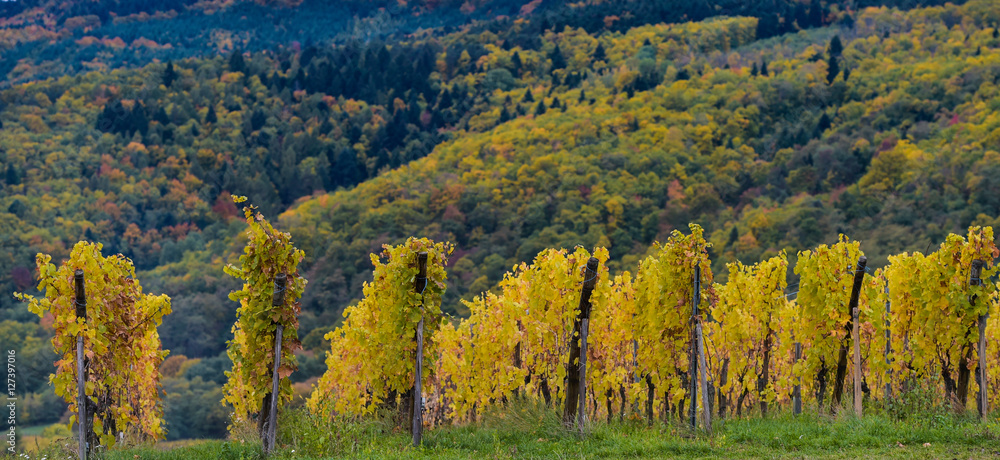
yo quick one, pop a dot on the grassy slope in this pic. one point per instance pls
(534, 433)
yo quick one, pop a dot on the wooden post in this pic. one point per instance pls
(272, 421)
(574, 374)
(650, 395)
(81, 385)
(706, 406)
(764, 377)
(888, 345)
(855, 333)
(420, 283)
(723, 379)
(693, 367)
(797, 389)
(277, 300)
(636, 377)
(581, 413)
(838, 385)
(982, 402)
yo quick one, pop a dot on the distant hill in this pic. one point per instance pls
(609, 138)
(47, 38)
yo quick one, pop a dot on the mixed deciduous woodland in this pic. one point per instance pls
(506, 128)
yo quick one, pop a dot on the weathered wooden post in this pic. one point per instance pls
(764, 376)
(517, 361)
(635, 371)
(695, 340)
(838, 388)
(576, 370)
(81, 379)
(888, 344)
(650, 395)
(277, 301)
(723, 379)
(581, 413)
(706, 406)
(797, 389)
(982, 403)
(855, 333)
(420, 283)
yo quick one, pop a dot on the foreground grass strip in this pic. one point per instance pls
(535, 432)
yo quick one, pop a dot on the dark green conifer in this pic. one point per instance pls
(599, 54)
(540, 108)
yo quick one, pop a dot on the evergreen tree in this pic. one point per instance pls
(444, 100)
(583, 97)
(112, 118)
(138, 122)
(801, 16)
(832, 69)
(763, 68)
(12, 177)
(210, 117)
(558, 61)
(236, 63)
(847, 21)
(599, 53)
(528, 97)
(17, 207)
(169, 75)
(753, 70)
(161, 116)
(847, 74)
(683, 75)
(504, 115)
(257, 120)
(326, 126)
(767, 26)
(540, 108)
(515, 60)
(836, 47)
(556, 104)
(816, 15)
(823, 125)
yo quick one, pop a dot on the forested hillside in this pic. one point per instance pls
(503, 127)
(46, 38)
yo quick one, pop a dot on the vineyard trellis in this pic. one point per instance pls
(265, 335)
(559, 331)
(913, 323)
(110, 394)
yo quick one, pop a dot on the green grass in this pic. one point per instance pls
(530, 431)
(33, 430)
